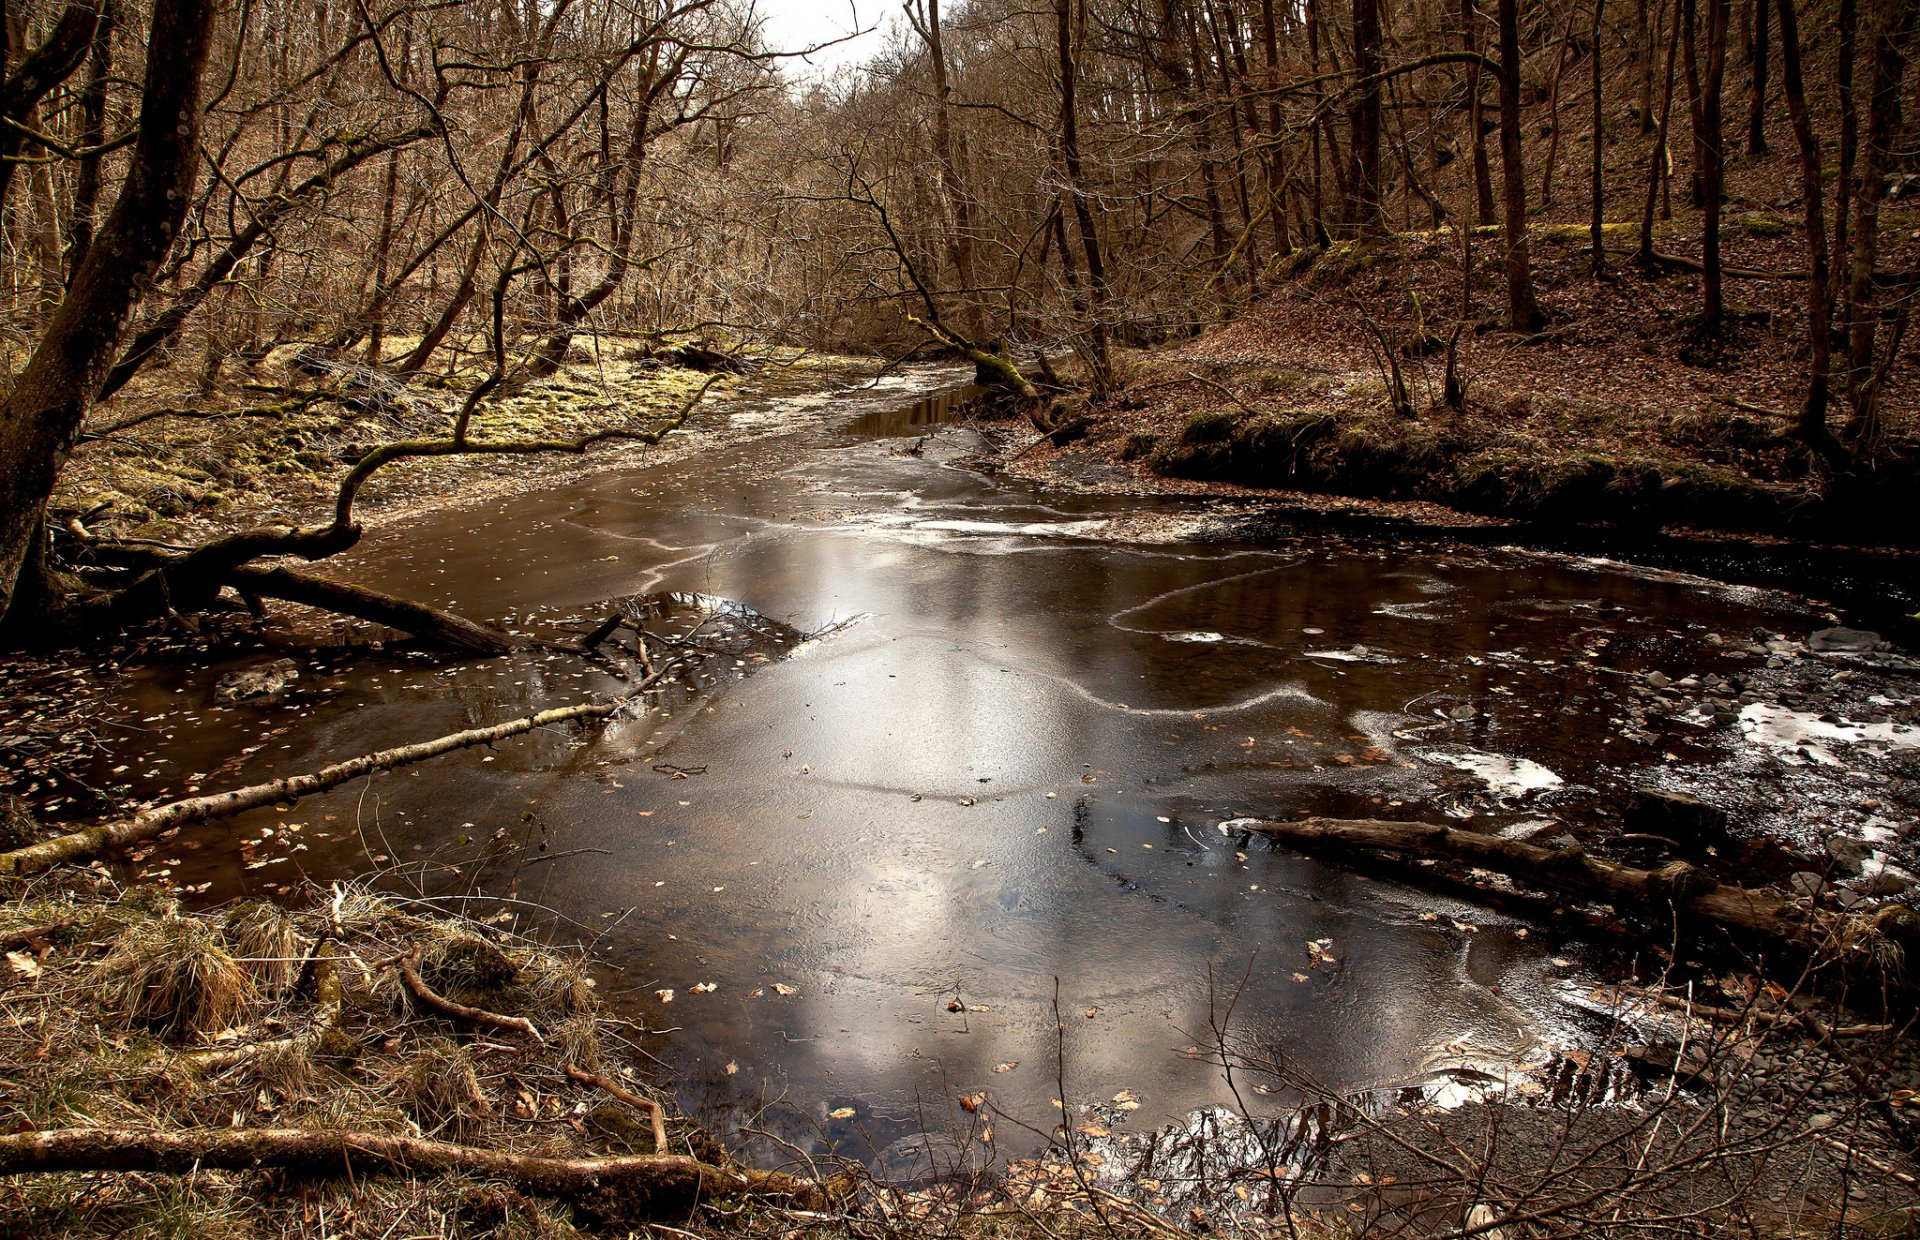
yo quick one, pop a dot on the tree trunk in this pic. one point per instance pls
(953, 189)
(1679, 892)
(1812, 427)
(1523, 312)
(1476, 125)
(93, 133)
(1553, 113)
(1757, 105)
(1599, 186)
(1844, 56)
(1277, 196)
(1662, 152)
(148, 823)
(1363, 122)
(1645, 35)
(1709, 155)
(41, 416)
(1893, 34)
(1068, 14)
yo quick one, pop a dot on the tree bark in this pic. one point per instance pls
(41, 416)
(953, 188)
(93, 134)
(1844, 56)
(1662, 152)
(1094, 331)
(1597, 223)
(1711, 147)
(1523, 311)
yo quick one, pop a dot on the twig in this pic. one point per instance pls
(627, 1096)
(418, 988)
(571, 852)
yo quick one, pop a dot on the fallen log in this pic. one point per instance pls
(644, 1184)
(148, 823)
(1677, 890)
(344, 598)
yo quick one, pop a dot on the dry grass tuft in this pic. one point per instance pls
(174, 975)
(440, 1086)
(265, 940)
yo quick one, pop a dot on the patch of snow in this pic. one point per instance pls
(1504, 776)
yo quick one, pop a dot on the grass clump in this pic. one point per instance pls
(175, 976)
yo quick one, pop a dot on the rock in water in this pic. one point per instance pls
(1844, 641)
(270, 681)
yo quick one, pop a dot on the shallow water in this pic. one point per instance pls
(1002, 766)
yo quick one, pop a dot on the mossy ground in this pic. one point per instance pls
(276, 441)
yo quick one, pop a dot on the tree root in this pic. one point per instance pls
(418, 988)
(652, 1108)
(148, 823)
(647, 1185)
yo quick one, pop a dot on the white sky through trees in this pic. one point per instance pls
(792, 25)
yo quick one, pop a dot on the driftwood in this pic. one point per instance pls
(650, 1184)
(607, 1084)
(148, 823)
(418, 988)
(1678, 890)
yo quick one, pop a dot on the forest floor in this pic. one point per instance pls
(1621, 411)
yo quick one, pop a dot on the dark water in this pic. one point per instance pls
(1004, 766)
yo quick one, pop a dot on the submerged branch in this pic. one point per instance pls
(148, 823)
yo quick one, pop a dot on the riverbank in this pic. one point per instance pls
(174, 465)
(1623, 412)
(348, 1062)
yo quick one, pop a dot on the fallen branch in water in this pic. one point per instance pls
(1675, 893)
(652, 1108)
(649, 1184)
(418, 988)
(149, 823)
